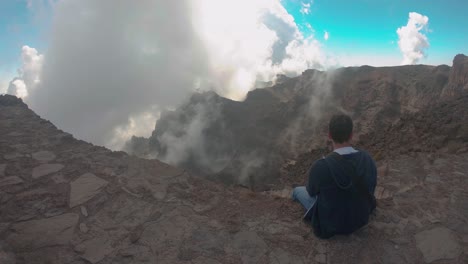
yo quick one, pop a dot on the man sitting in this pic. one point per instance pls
(339, 195)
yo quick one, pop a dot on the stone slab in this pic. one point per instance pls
(44, 156)
(438, 243)
(12, 180)
(46, 169)
(12, 156)
(94, 250)
(84, 188)
(51, 231)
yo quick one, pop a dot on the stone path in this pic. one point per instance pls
(66, 201)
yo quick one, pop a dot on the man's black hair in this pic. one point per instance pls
(340, 128)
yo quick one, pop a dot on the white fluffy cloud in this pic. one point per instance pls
(265, 42)
(106, 74)
(411, 40)
(326, 35)
(29, 73)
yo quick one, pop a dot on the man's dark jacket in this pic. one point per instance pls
(344, 188)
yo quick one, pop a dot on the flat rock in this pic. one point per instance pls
(94, 250)
(12, 156)
(46, 169)
(2, 169)
(52, 231)
(249, 246)
(84, 188)
(438, 243)
(44, 156)
(12, 180)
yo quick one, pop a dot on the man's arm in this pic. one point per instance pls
(373, 176)
(313, 182)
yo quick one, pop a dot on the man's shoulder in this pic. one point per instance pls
(320, 162)
(366, 155)
(363, 151)
(319, 165)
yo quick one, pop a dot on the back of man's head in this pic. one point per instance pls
(340, 128)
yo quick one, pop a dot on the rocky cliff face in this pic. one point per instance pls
(458, 80)
(63, 200)
(247, 142)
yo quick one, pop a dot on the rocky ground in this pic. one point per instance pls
(63, 200)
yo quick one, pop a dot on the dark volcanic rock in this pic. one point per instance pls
(10, 100)
(458, 80)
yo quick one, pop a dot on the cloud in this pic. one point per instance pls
(17, 88)
(254, 48)
(326, 35)
(29, 73)
(104, 71)
(305, 8)
(105, 75)
(411, 41)
(140, 125)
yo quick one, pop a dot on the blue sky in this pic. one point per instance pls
(360, 29)
(18, 26)
(369, 26)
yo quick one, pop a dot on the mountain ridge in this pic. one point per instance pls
(276, 123)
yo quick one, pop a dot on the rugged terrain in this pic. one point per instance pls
(247, 142)
(63, 200)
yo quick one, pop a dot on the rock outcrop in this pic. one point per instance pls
(458, 79)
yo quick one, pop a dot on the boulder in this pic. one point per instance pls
(44, 156)
(46, 169)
